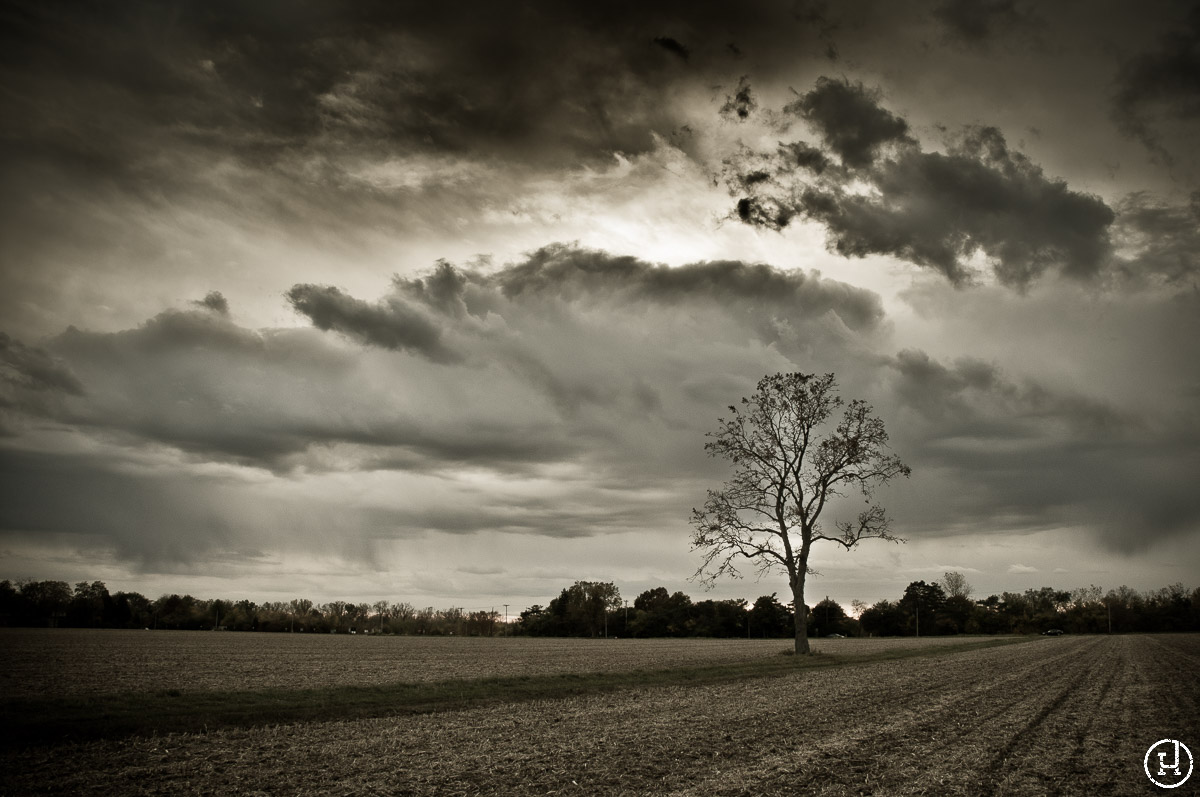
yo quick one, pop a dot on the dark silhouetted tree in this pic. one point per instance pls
(828, 617)
(923, 605)
(770, 618)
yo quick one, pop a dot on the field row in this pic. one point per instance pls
(50, 662)
(1064, 716)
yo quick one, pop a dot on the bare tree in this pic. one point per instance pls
(955, 585)
(788, 464)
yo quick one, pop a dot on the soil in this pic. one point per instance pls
(1067, 715)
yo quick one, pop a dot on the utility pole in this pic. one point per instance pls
(506, 619)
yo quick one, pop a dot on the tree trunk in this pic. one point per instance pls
(801, 612)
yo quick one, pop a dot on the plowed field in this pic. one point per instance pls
(1072, 715)
(61, 662)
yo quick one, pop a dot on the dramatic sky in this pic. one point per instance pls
(415, 302)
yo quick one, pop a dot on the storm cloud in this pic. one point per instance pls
(1161, 85)
(1037, 454)
(978, 21)
(936, 210)
(850, 120)
(602, 372)
(392, 326)
(1159, 241)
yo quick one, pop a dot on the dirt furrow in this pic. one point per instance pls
(956, 740)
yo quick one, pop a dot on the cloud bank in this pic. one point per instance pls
(564, 395)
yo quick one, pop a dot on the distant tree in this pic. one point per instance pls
(403, 615)
(955, 585)
(47, 601)
(923, 603)
(482, 623)
(243, 615)
(788, 465)
(300, 608)
(10, 604)
(424, 620)
(532, 621)
(1086, 613)
(658, 613)
(726, 618)
(335, 614)
(89, 604)
(382, 614)
(828, 617)
(884, 618)
(181, 612)
(588, 604)
(218, 613)
(450, 621)
(770, 619)
(133, 610)
(956, 614)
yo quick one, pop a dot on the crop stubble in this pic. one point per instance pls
(1061, 716)
(59, 662)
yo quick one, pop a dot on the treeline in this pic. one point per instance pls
(91, 605)
(926, 609)
(589, 608)
(596, 609)
(946, 608)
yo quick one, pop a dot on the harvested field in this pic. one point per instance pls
(1072, 715)
(37, 662)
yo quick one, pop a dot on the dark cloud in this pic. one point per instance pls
(1159, 241)
(568, 340)
(197, 382)
(933, 209)
(558, 290)
(1163, 84)
(850, 120)
(976, 21)
(392, 326)
(582, 274)
(550, 318)
(547, 83)
(585, 381)
(148, 519)
(672, 46)
(32, 383)
(1025, 455)
(742, 103)
(977, 394)
(27, 368)
(169, 331)
(214, 301)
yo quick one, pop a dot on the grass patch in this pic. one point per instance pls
(35, 721)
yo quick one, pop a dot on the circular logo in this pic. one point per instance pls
(1168, 763)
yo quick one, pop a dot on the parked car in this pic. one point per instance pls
(835, 636)
(1053, 632)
